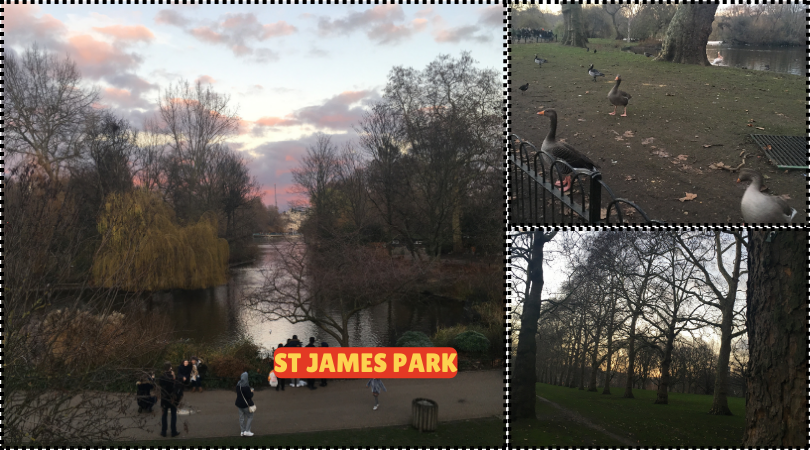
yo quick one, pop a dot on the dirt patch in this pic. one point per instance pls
(576, 417)
(682, 122)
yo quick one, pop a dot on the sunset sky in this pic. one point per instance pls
(292, 70)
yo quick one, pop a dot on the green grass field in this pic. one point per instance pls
(683, 422)
(478, 432)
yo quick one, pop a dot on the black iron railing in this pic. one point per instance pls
(536, 195)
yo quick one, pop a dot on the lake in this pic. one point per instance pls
(215, 314)
(779, 59)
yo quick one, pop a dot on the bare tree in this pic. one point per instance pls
(316, 177)
(329, 287)
(47, 111)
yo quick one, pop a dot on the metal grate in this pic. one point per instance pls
(787, 152)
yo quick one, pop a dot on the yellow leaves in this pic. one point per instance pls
(143, 249)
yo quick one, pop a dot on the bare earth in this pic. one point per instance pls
(342, 404)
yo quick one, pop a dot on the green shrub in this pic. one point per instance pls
(414, 339)
(472, 342)
(445, 337)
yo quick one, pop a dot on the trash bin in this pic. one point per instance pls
(425, 414)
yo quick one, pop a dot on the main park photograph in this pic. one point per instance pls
(670, 338)
(191, 187)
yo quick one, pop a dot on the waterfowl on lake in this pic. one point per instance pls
(594, 73)
(524, 87)
(758, 207)
(563, 151)
(618, 98)
(718, 60)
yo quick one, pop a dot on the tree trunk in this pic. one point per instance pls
(666, 362)
(631, 359)
(720, 402)
(524, 394)
(574, 30)
(458, 246)
(606, 390)
(776, 407)
(594, 355)
(687, 34)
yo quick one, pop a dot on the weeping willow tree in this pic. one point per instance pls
(143, 248)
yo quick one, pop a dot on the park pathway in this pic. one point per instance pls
(582, 420)
(341, 405)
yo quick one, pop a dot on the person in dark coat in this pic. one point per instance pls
(184, 373)
(294, 342)
(311, 381)
(171, 391)
(281, 381)
(144, 396)
(323, 380)
(244, 400)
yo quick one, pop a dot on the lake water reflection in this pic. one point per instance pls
(215, 314)
(778, 59)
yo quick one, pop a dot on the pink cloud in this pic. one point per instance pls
(289, 158)
(275, 122)
(127, 33)
(280, 28)
(206, 34)
(205, 79)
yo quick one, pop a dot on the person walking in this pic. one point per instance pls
(244, 401)
(311, 381)
(171, 391)
(376, 384)
(281, 381)
(323, 380)
(294, 342)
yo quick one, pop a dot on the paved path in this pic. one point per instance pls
(341, 405)
(582, 420)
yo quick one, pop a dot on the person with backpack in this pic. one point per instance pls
(171, 391)
(244, 401)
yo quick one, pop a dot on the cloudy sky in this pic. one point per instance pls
(292, 70)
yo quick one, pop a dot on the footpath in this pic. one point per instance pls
(343, 404)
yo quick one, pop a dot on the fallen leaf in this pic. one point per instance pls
(689, 196)
(581, 120)
(750, 125)
(629, 178)
(647, 141)
(661, 153)
(628, 133)
(707, 145)
(759, 128)
(784, 197)
(683, 157)
(614, 132)
(619, 138)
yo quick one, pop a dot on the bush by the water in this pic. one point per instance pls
(414, 339)
(471, 342)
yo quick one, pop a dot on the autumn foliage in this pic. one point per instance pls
(144, 249)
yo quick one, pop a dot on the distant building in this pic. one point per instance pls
(294, 217)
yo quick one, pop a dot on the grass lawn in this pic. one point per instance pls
(656, 154)
(683, 422)
(477, 432)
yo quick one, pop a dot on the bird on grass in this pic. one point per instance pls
(758, 207)
(594, 73)
(594, 50)
(524, 87)
(618, 98)
(563, 151)
(539, 61)
(647, 54)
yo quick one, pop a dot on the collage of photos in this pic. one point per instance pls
(408, 225)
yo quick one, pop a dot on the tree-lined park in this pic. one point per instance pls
(659, 338)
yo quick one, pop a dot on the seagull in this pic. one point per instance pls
(594, 73)
(524, 87)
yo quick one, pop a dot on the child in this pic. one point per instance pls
(376, 384)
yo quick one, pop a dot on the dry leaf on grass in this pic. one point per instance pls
(647, 141)
(759, 128)
(628, 133)
(619, 138)
(689, 196)
(661, 154)
(629, 178)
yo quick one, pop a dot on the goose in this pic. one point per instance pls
(718, 60)
(594, 73)
(758, 207)
(647, 54)
(563, 151)
(523, 88)
(594, 50)
(539, 61)
(618, 98)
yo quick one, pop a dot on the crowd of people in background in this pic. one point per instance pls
(189, 374)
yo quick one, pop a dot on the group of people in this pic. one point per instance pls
(172, 387)
(294, 382)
